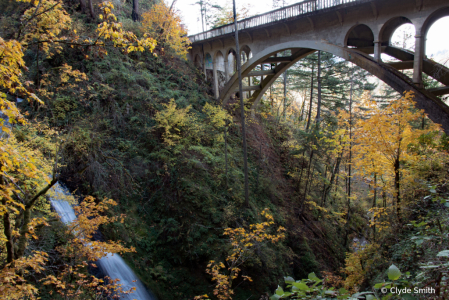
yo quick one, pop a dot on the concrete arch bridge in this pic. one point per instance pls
(358, 31)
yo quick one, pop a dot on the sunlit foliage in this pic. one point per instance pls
(164, 25)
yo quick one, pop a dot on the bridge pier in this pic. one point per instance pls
(419, 57)
(226, 62)
(377, 51)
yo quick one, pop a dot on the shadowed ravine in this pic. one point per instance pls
(111, 265)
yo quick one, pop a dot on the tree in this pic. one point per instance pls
(243, 244)
(71, 282)
(242, 108)
(207, 7)
(279, 3)
(382, 140)
(135, 14)
(164, 25)
(24, 170)
(225, 14)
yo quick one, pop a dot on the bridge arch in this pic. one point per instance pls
(245, 53)
(230, 62)
(208, 63)
(219, 72)
(360, 35)
(198, 61)
(388, 29)
(432, 105)
(433, 17)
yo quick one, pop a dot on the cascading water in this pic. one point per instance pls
(111, 265)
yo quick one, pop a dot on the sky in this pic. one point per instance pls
(436, 45)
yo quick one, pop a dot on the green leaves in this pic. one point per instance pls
(394, 273)
(308, 288)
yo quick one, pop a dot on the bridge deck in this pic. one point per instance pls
(287, 13)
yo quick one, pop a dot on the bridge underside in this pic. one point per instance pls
(427, 100)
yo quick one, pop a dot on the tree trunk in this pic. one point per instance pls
(259, 167)
(333, 175)
(311, 98)
(83, 6)
(91, 9)
(307, 182)
(375, 191)
(285, 90)
(242, 108)
(318, 108)
(135, 14)
(226, 152)
(348, 191)
(302, 109)
(397, 187)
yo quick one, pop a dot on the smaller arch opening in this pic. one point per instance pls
(219, 61)
(197, 61)
(398, 32)
(232, 62)
(208, 61)
(391, 27)
(245, 54)
(404, 37)
(209, 66)
(360, 36)
(437, 47)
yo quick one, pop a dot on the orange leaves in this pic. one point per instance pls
(13, 285)
(165, 27)
(80, 249)
(242, 244)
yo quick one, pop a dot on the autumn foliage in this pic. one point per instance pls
(46, 27)
(164, 25)
(243, 242)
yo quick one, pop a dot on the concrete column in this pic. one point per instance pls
(420, 45)
(377, 51)
(204, 68)
(226, 68)
(216, 90)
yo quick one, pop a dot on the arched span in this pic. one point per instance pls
(433, 106)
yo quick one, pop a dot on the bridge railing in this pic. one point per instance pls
(270, 17)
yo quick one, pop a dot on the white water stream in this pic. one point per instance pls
(111, 265)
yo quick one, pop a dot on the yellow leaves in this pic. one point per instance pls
(382, 140)
(13, 285)
(165, 27)
(91, 215)
(11, 61)
(43, 22)
(112, 31)
(243, 242)
(175, 122)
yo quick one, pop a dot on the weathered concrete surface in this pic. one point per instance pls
(349, 31)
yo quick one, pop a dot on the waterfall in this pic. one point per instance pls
(111, 265)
